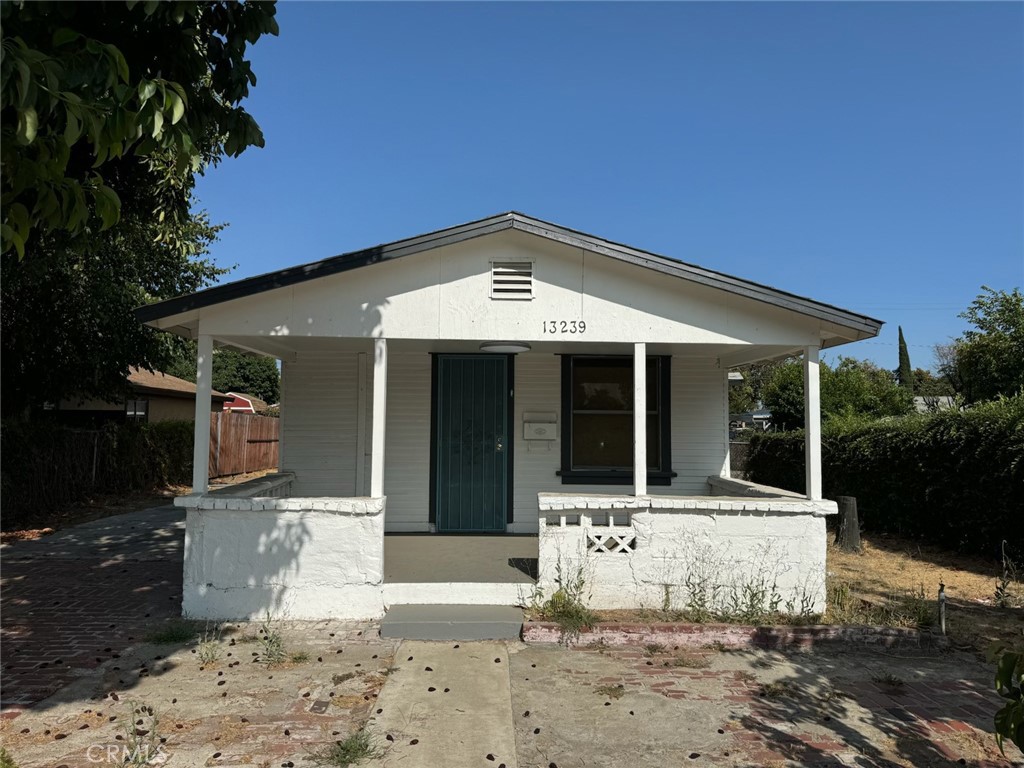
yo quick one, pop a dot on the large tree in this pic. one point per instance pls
(904, 373)
(988, 359)
(233, 371)
(853, 388)
(84, 86)
(748, 394)
(109, 110)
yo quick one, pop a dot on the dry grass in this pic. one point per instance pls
(889, 565)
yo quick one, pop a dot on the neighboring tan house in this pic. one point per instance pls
(506, 376)
(152, 396)
(241, 403)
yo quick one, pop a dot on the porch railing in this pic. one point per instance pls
(276, 486)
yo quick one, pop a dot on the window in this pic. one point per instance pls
(597, 420)
(512, 280)
(136, 410)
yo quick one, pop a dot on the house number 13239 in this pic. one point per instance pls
(564, 326)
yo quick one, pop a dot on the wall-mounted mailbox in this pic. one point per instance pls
(540, 430)
(539, 425)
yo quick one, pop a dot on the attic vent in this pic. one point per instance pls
(512, 280)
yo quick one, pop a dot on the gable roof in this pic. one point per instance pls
(156, 383)
(503, 221)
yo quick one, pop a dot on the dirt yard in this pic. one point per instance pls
(892, 568)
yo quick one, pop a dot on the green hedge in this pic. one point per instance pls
(47, 467)
(955, 477)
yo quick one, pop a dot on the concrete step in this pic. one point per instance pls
(452, 622)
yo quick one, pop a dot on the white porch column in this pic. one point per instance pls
(812, 423)
(201, 438)
(640, 419)
(380, 400)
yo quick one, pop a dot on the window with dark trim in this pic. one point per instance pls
(136, 410)
(597, 420)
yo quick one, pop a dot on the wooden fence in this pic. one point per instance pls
(242, 442)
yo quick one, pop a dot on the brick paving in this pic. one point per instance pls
(66, 608)
(755, 708)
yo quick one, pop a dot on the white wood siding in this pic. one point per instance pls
(319, 432)
(407, 443)
(319, 403)
(699, 433)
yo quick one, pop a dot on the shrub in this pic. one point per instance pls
(47, 467)
(953, 477)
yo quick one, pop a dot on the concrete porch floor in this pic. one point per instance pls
(436, 558)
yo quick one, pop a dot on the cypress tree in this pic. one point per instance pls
(905, 374)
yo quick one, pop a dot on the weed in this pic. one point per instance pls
(901, 609)
(611, 691)
(889, 680)
(209, 645)
(389, 671)
(778, 690)
(567, 606)
(652, 649)
(746, 677)
(1003, 596)
(341, 754)
(177, 631)
(272, 644)
(690, 661)
(141, 738)
(339, 679)
(298, 657)
(6, 761)
(715, 645)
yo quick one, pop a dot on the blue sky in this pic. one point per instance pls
(869, 155)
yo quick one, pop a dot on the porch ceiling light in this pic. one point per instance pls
(509, 347)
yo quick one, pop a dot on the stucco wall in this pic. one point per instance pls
(297, 559)
(713, 553)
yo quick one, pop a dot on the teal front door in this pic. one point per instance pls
(472, 443)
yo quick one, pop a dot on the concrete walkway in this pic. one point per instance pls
(449, 704)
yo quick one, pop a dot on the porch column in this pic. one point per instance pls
(201, 437)
(640, 419)
(812, 423)
(380, 400)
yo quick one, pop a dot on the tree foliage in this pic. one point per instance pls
(108, 113)
(83, 86)
(927, 384)
(854, 388)
(233, 371)
(988, 360)
(69, 327)
(748, 395)
(904, 373)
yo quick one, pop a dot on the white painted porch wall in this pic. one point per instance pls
(319, 396)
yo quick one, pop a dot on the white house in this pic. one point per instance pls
(470, 410)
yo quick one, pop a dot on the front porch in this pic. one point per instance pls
(253, 550)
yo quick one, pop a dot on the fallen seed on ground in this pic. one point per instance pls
(536, 731)
(414, 742)
(694, 755)
(490, 757)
